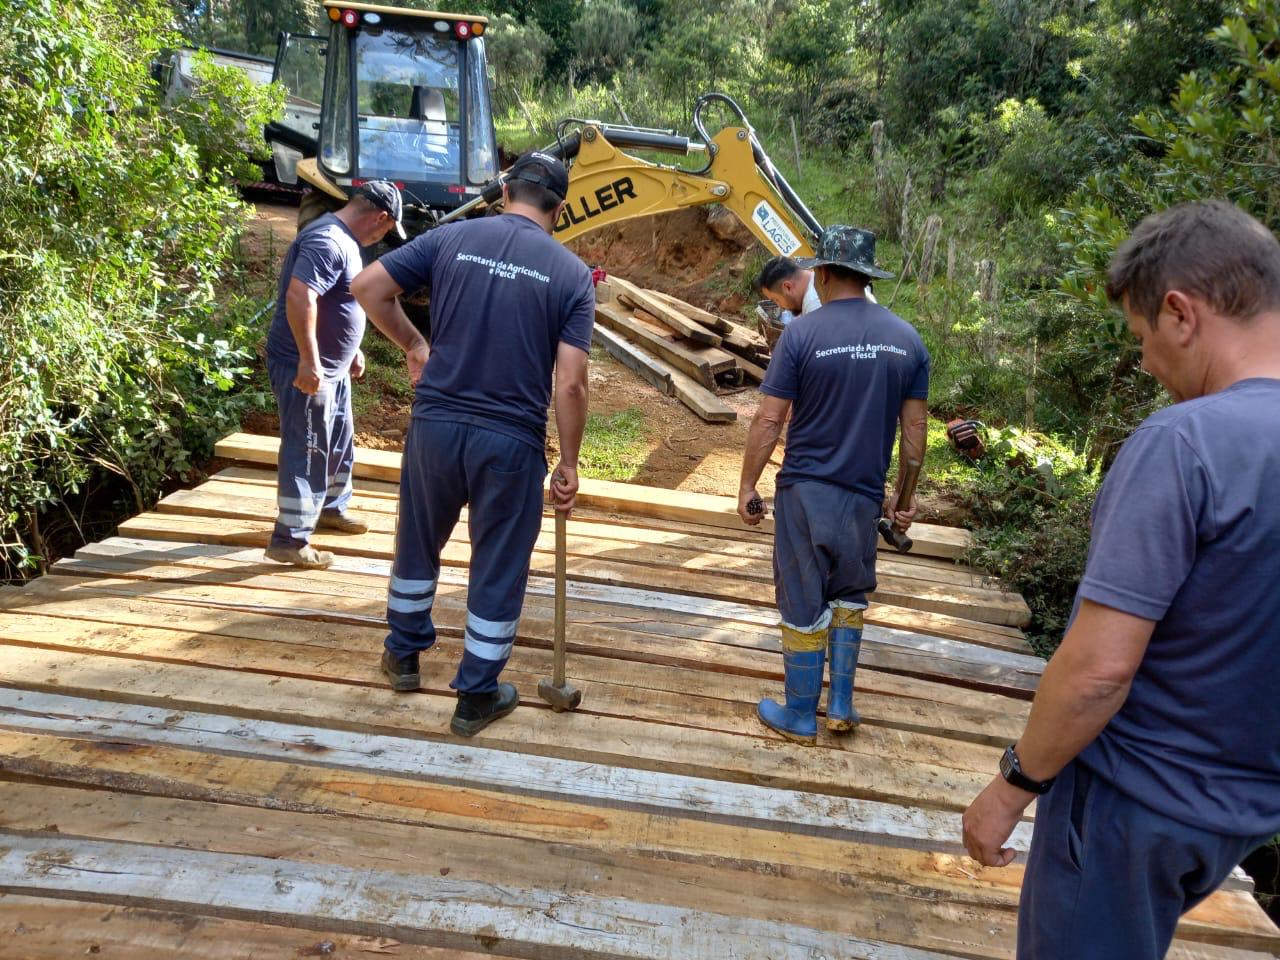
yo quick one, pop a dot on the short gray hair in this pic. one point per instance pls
(1212, 249)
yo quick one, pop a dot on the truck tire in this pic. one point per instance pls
(316, 203)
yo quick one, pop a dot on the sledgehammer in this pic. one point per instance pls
(554, 689)
(892, 535)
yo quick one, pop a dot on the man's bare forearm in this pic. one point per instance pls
(914, 423)
(395, 325)
(571, 420)
(1069, 711)
(1082, 688)
(762, 440)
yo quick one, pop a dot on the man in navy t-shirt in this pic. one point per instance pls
(508, 304)
(313, 351)
(1155, 734)
(847, 373)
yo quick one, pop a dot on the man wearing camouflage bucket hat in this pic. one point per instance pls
(847, 374)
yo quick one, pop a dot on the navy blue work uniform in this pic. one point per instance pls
(504, 296)
(317, 437)
(847, 367)
(1185, 780)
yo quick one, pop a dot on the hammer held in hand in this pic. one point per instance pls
(896, 538)
(554, 689)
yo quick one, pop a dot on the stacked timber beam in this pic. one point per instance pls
(683, 350)
(200, 759)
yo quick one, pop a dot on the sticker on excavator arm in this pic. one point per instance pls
(776, 229)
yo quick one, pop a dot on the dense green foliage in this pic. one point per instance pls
(120, 345)
(1039, 132)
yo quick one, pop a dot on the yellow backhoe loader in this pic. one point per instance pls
(406, 98)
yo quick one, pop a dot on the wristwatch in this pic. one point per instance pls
(1011, 770)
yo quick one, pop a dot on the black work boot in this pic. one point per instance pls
(402, 671)
(475, 711)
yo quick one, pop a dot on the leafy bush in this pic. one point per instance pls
(1030, 499)
(223, 119)
(122, 353)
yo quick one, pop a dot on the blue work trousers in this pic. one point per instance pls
(448, 466)
(824, 550)
(317, 449)
(1107, 877)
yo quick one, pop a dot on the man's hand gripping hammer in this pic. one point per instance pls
(896, 538)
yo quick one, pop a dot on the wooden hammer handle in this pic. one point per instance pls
(910, 475)
(561, 577)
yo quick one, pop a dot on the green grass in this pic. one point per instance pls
(614, 446)
(384, 377)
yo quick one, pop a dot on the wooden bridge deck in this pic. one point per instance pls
(199, 758)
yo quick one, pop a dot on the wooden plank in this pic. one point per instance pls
(577, 736)
(701, 400)
(720, 361)
(603, 683)
(1230, 918)
(749, 345)
(663, 795)
(379, 496)
(44, 928)
(525, 922)
(717, 575)
(647, 636)
(122, 561)
(816, 899)
(678, 356)
(890, 882)
(634, 296)
(591, 633)
(649, 662)
(632, 357)
(897, 585)
(681, 327)
(946, 659)
(721, 325)
(372, 496)
(679, 505)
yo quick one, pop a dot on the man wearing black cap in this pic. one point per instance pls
(847, 373)
(313, 351)
(508, 304)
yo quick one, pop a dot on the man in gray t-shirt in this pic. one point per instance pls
(1155, 734)
(313, 351)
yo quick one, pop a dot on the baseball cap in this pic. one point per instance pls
(386, 197)
(552, 174)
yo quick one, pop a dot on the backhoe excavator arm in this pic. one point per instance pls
(608, 185)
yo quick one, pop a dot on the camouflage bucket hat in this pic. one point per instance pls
(850, 247)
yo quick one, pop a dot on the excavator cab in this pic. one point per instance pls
(405, 98)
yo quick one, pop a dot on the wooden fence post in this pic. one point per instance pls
(989, 293)
(904, 228)
(884, 190)
(795, 142)
(932, 231)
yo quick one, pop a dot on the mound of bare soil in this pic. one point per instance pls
(701, 255)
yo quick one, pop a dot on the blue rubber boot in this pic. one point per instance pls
(803, 655)
(844, 642)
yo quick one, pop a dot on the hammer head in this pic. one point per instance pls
(561, 698)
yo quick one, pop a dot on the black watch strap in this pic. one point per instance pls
(1011, 770)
